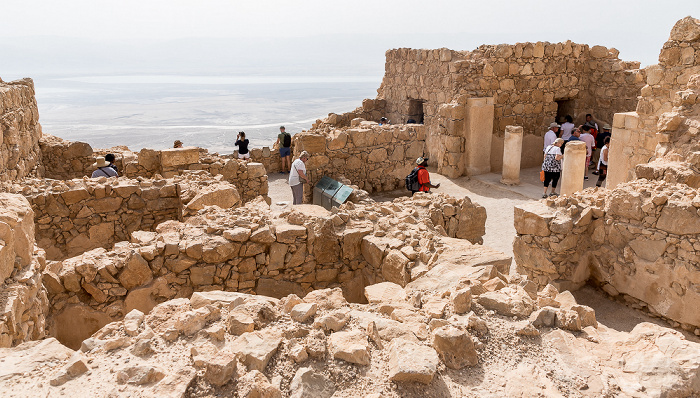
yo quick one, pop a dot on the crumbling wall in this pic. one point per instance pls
(667, 117)
(373, 157)
(78, 215)
(639, 240)
(65, 160)
(23, 300)
(19, 131)
(248, 250)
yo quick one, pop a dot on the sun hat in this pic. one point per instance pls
(606, 127)
(304, 154)
(101, 162)
(554, 124)
(421, 160)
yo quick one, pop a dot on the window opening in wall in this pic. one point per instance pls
(564, 107)
(415, 111)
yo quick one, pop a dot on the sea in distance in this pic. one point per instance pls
(206, 111)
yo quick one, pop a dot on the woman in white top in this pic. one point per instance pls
(603, 162)
(552, 166)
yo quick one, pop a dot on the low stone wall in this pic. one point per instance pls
(639, 240)
(65, 160)
(373, 157)
(19, 131)
(78, 215)
(248, 250)
(23, 300)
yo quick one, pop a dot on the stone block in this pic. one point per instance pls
(174, 157)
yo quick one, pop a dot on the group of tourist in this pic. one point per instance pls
(555, 140)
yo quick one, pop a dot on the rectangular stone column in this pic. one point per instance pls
(512, 151)
(478, 130)
(621, 159)
(574, 167)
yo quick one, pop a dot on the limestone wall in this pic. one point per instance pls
(249, 250)
(373, 157)
(78, 215)
(526, 80)
(23, 300)
(667, 119)
(19, 131)
(64, 160)
(640, 240)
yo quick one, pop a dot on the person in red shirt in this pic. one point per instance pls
(424, 176)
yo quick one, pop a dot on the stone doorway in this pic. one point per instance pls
(415, 111)
(565, 107)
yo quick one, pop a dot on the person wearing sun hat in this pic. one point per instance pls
(424, 176)
(103, 169)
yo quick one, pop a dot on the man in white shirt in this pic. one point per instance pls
(551, 135)
(567, 127)
(296, 175)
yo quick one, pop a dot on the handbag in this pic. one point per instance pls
(542, 175)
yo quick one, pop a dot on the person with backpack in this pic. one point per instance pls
(419, 179)
(284, 140)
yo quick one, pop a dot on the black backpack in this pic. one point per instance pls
(412, 181)
(287, 141)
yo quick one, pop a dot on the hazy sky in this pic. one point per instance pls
(636, 28)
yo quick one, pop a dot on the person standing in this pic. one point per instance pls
(551, 134)
(242, 144)
(567, 127)
(284, 140)
(603, 162)
(591, 123)
(424, 176)
(551, 165)
(296, 175)
(590, 146)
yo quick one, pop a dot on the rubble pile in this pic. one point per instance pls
(483, 334)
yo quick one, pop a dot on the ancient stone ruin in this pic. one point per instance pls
(178, 279)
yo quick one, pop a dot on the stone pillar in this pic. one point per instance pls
(478, 130)
(512, 151)
(623, 142)
(574, 167)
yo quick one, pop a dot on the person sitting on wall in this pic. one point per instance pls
(110, 159)
(103, 169)
(551, 135)
(177, 144)
(567, 127)
(242, 144)
(424, 176)
(383, 121)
